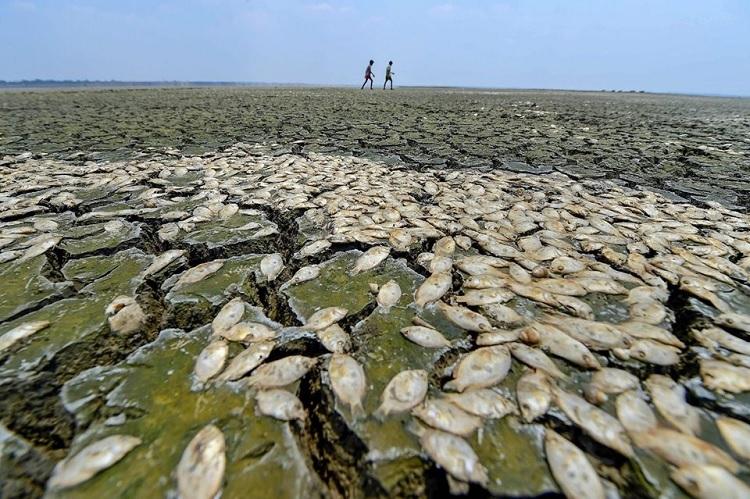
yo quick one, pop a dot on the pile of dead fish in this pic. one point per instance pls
(483, 239)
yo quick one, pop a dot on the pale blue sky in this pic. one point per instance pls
(694, 46)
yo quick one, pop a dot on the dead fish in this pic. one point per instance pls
(162, 261)
(282, 372)
(443, 415)
(482, 368)
(400, 239)
(736, 434)
(634, 413)
(464, 318)
(324, 317)
(519, 274)
(313, 248)
(609, 381)
(348, 382)
(560, 344)
(229, 315)
(249, 332)
(334, 339)
(425, 336)
(599, 425)
(740, 322)
(445, 246)
(650, 352)
(128, 316)
(198, 273)
(453, 454)
(498, 336)
(388, 295)
(246, 361)
(710, 482)
(650, 312)
(433, 288)
(719, 375)
(669, 399)
(439, 264)
(566, 265)
(595, 335)
(714, 337)
(606, 286)
(8, 256)
(92, 459)
(307, 273)
(485, 296)
(200, 471)
(280, 404)
(403, 392)
(642, 330)
(271, 266)
(567, 287)
(501, 313)
(483, 281)
(681, 449)
(575, 306)
(571, 468)
(536, 358)
(370, 259)
(210, 362)
(484, 402)
(20, 332)
(534, 395)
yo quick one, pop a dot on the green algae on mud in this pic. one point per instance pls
(74, 319)
(153, 390)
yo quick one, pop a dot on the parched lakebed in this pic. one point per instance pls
(258, 323)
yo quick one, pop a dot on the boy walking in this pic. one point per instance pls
(388, 73)
(368, 74)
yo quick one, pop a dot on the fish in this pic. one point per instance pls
(324, 317)
(634, 413)
(723, 376)
(595, 335)
(229, 315)
(388, 295)
(348, 382)
(20, 332)
(455, 455)
(280, 404)
(282, 372)
(404, 391)
(249, 332)
(733, 320)
(334, 339)
(433, 288)
(714, 337)
(645, 331)
(200, 472)
(485, 296)
(669, 398)
(681, 449)
(370, 259)
(425, 337)
(484, 402)
(736, 434)
(443, 415)
(98, 456)
(596, 423)
(551, 339)
(271, 266)
(307, 273)
(650, 352)
(210, 361)
(607, 381)
(534, 395)
(709, 482)
(197, 273)
(464, 318)
(571, 468)
(246, 361)
(313, 248)
(498, 336)
(482, 368)
(537, 359)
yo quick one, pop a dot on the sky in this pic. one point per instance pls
(689, 46)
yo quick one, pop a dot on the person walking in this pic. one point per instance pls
(388, 74)
(369, 74)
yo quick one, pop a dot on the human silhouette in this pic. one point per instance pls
(388, 74)
(369, 74)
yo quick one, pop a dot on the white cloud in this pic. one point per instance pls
(329, 8)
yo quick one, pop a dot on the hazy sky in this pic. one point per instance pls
(697, 46)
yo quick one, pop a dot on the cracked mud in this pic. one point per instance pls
(264, 322)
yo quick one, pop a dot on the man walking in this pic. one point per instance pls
(388, 74)
(368, 74)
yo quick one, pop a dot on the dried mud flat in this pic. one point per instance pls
(269, 320)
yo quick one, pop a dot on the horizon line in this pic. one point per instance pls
(51, 83)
